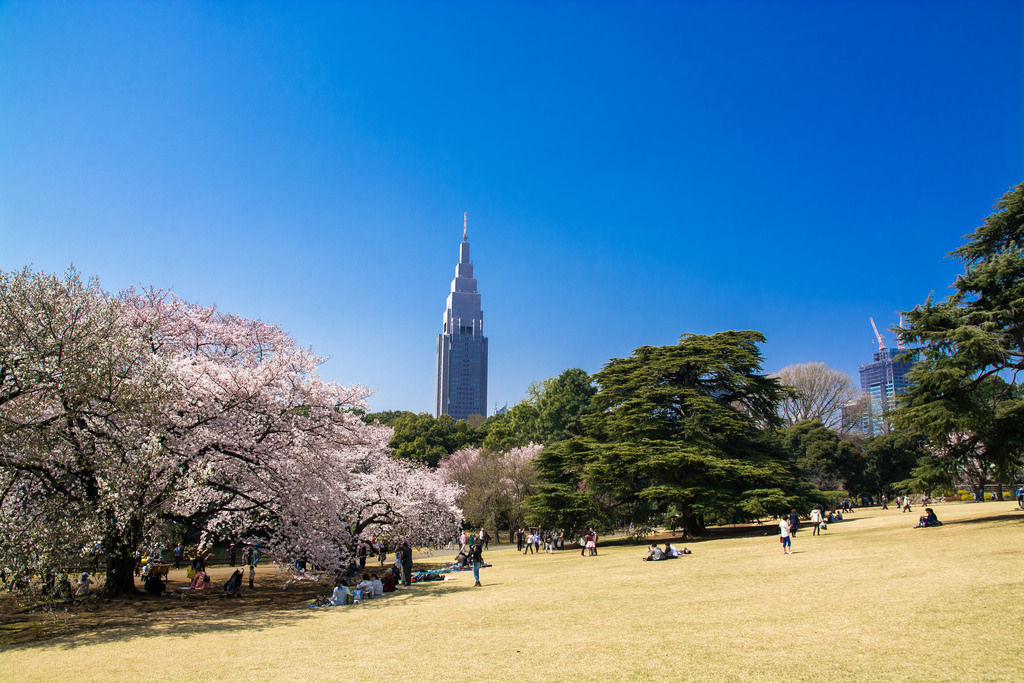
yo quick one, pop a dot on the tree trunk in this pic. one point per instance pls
(120, 576)
(120, 545)
(693, 525)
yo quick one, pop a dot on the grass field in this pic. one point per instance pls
(870, 600)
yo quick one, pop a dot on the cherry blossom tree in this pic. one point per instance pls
(119, 412)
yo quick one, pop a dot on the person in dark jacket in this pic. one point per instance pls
(477, 561)
(406, 563)
(929, 519)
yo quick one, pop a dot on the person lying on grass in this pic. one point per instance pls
(671, 551)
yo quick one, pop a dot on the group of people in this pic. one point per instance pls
(528, 541)
(655, 553)
(348, 591)
(588, 543)
(789, 524)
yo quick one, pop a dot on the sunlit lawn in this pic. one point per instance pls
(871, 600)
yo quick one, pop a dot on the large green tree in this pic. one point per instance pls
(421, 437)
(514, 428)
(563, 404)
(965, 398)
(830, 462)
(677, 427)
(892, 458)
(562, 499)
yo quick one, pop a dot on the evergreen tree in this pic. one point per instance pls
(965, 397)
(677, 427)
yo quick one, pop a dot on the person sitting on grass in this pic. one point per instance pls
(340, 595)
(84, 583)
(378, 587)
(155, 585)
(366, 586)
(389, 584)
(202, 581)
(929, 519)
(654, 554)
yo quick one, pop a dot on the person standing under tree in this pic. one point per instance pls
(407, 564)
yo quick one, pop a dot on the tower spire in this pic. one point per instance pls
(465, 214)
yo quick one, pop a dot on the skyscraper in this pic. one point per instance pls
(882, 379)
(461, 388)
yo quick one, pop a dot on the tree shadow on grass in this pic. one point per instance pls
(1004, 517)
(185, 616)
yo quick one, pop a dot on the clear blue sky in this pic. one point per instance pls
(632, 170)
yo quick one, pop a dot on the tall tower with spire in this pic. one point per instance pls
(461, 388)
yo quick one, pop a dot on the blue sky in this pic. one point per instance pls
(632, 170)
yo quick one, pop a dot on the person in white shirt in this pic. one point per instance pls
(84, 583)
(816, 521)
(366, 586)
(787, 542)
(340, 594)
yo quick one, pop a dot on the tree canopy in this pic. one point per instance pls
(120, 412)
(965, 397)
(830, 462)
(423, 438)
(675, 427)
(820, 394)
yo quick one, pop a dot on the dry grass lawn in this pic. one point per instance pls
(871, 600)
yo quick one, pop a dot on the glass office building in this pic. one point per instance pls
(882, 379)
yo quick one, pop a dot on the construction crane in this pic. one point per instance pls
(888, 391)
(878, 335)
